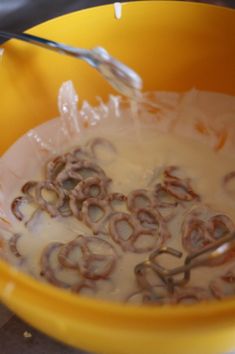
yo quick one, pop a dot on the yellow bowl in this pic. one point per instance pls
(174, 46)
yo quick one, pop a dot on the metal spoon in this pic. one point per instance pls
(211, 253)
(119, 76)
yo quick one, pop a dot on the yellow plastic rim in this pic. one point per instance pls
(186, 45)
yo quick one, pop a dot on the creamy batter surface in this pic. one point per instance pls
(88, 218)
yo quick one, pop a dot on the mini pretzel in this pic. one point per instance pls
(165, 202)
(102, 204)
(195, 235)
(229, 276)
(29, 189)
(55, 166)
(143, 282)
(132, 199)
(46, 268)
(150, 293)
(63, 256)
(161, 194)
(86, 262)
(83, 191)
(130, 244)
(158, 241)
(13, 244)
(64, 177)
(180, 189)
(192, 294)
(84, 188)
(59, 163)
(170, 172)
(151, 219)
(51, 208)
(220, 223)
(16, 204)
(126, 245)
(74, 170)
(224, 285)
(218, 227)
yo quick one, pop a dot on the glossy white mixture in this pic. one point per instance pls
(139, 155)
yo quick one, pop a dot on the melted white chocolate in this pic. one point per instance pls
(140, 155)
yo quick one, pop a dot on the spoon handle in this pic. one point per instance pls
(120, 76)
(45, 43)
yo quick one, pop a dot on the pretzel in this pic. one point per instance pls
(87, 262)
